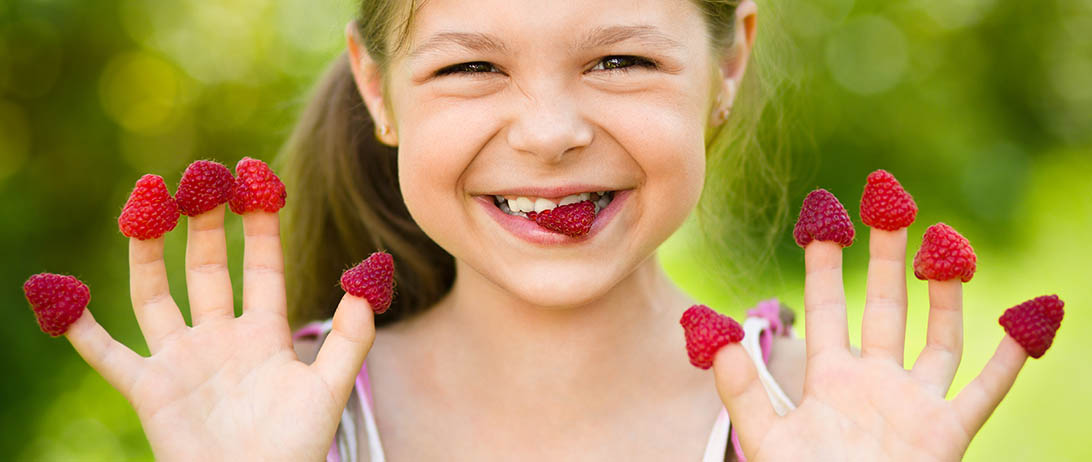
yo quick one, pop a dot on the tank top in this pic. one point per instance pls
(762, 323)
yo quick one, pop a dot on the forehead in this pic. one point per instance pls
(523, 24)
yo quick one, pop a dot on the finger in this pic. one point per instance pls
(119, 365)
(155, 310)
(349, 341)
(978, 400)
(824, 299)
(207, 279)
(263, 264)
(939, 361)
(743, 395)
(883, 329)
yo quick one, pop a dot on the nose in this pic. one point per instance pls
(549, 127)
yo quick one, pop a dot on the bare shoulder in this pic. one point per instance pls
(788, 359)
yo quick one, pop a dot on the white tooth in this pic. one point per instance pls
(601, 193)
(504, 207)
(571, 199)
(585, 196)
(597, 207)
(524, 204)
(513, 205)
(542, 205)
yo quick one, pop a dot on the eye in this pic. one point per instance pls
(476, 67)
(622, 63)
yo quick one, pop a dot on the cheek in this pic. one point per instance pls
(435, 149)
(663, 132)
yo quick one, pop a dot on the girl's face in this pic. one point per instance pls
(532, 99)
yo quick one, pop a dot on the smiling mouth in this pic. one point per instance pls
(520, 205)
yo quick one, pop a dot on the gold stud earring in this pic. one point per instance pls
(384, 130)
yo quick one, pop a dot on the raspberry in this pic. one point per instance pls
(823, 218)
(372, 279)
(150, 211)
(885, 205)
(944, 254)
(204, 186)
(256, 188)
(706, 332)
(1033, 323)
(571, 220)
(57, 300)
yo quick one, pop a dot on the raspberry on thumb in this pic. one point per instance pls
(57, 300)
(373, 280)
(706, 332)
(1033, 323)
(150, 211)
(944, 254)
(885, 205)
(823, 218)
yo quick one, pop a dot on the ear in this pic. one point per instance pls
(369, 82)
(733, 60)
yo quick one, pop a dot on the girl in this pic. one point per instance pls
(507, 340)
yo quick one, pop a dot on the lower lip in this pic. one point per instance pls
(531, 232)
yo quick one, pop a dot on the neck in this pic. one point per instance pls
(485, 339)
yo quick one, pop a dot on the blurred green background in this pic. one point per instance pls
(982, 108)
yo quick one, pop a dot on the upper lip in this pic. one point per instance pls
(550, 191)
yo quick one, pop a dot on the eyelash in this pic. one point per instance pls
(476, 67)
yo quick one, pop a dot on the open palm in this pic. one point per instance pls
(228, 388)
(869, 408)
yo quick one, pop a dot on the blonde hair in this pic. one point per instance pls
(347, 202)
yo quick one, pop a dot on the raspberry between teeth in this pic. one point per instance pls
(372, 280)
(885, 204)
(573, 220)
(150, 212)
(944, 254)
(706, 333)
(57, 300)
(1034, 323)
(823, 218)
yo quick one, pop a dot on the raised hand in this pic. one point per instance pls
(228, 388)
(869, 407)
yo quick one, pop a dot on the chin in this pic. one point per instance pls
(559, 286)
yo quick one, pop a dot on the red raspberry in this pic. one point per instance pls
(256, 188)
(372, 279)
(885, 205)
(204, 186)
(57, 300)
(571, 220)
(823, 218)
(150, 211)
(1033, 323)
(944, 254)
(706, 332)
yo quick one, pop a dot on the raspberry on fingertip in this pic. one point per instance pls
(57, 300)
(706, 333)
(885, 204)
(373, 280)
(1034, 323)
(823, 218)
(150, 211)
(944, 254)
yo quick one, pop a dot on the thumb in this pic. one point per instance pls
(349, 341)
(743, 395)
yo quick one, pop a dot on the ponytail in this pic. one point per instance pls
(345, 203)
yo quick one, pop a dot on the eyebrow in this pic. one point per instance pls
(596, 38)
(470, 40)
(606, 36)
